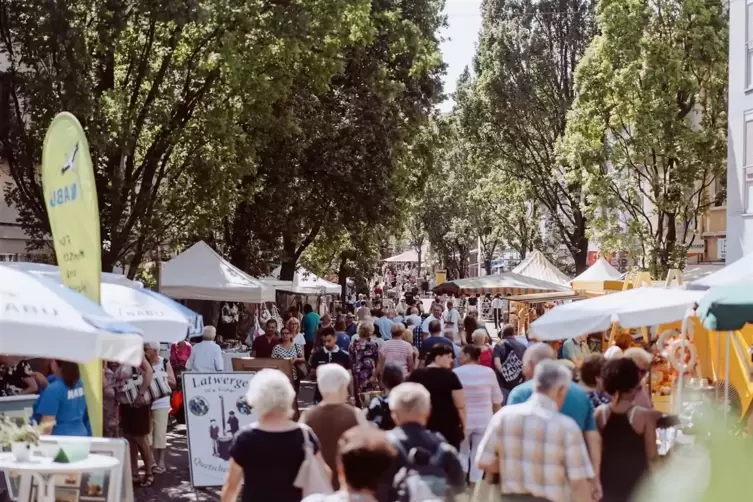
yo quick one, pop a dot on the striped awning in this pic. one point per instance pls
(505, 284)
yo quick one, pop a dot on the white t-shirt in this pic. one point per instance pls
(299, 339)
(425, 325)
(481, 389)
(498, 303)
(450, 320)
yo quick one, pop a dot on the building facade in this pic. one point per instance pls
(740, 139)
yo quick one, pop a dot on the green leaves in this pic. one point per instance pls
(647, 129)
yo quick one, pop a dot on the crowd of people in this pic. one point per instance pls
(413, 408)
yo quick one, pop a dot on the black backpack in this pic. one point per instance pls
(423, 477)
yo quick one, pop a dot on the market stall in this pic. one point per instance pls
(505, 284)
(597, 278)
(199, 273)
(537, 266)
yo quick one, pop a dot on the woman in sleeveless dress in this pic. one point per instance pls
(628, 432)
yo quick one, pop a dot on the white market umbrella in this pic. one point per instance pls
(42, 318)
(53, 272)
(160, 318)
(634, 308)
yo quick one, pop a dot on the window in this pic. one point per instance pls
(721, 249)
(748, 163)
(749, 44)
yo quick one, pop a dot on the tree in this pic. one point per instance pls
(526, 58)
(334, 156)
(648, 127)
(158, 87)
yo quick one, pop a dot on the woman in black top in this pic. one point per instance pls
(628, 432)
(448, 412)
(379, 409)
(265, 458)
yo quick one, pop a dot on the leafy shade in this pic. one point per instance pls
(647, 132)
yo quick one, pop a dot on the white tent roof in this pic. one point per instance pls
(538, 267)
(53, 272)
(410, 256)
(602, 270)
(304, 283)
(734, 273)
(633, 308)
(199, 273)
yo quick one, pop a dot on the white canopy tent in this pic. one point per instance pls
(633, 308)
(410, 256)
(537, 266)
(602, 270)
(734, 273)
(304, 283)
(199, 273)
(53, 272)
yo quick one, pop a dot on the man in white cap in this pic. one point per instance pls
(206, 356)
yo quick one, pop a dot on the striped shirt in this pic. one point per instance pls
(481, 390)
(399, 352)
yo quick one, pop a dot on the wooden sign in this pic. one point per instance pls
(257, 364)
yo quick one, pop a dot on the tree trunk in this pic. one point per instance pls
(342, 277)
(488, 266)
(289, 259)
(579, 247)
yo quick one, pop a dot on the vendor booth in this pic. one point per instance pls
(199, 273)
(599, 278)
(505, 284)
(537, 266)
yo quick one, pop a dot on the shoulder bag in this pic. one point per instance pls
(313, 475)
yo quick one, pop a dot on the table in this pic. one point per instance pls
(227, 358)
(44, 470)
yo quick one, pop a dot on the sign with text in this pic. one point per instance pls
(216, 409)
(70, 194)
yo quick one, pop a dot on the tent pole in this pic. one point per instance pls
(718, 369)
(726, 377)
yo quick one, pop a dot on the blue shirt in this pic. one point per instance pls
(310, 325)
(385, 327)
(68, 406)
(343, 340)
(577, 404)
(430, 342)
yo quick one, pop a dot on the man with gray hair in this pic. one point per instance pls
(577, 404)
(419, 449)
(206, 356)
(538, 452)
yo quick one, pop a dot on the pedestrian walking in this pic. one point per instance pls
(333, 415)
(628, 432)
(266, 457)
(448, 413)
(538, 452)
(379, 409)
(483, 398)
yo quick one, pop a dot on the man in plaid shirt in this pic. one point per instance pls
(540, 454)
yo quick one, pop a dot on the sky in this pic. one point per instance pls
(464, 23)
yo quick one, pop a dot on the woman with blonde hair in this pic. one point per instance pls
(479, 339)
(294, 326)
(266, 457)
(364, 356)
(408, 335)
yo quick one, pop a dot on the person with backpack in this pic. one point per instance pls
(508, 360)
(427, 468)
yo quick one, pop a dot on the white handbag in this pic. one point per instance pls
(313, 475)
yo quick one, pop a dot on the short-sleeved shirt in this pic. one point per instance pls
(270, 463)
(444, 418)
(399, 352)
(577, 404)
(481, 391)
(425, 324)
(343, 340)
(427, 344)
(539, 451)
(264, 346)
(67, 405)
(310, 324)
